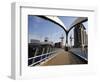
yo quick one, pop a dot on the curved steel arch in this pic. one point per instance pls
(56, 20)
(78, 21)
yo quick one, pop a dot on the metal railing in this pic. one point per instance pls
(46, 53)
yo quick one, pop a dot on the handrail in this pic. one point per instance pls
(41, 59)
(41, 55)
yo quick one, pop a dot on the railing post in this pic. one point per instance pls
(42, 52)
(35, 54)
(47, 52)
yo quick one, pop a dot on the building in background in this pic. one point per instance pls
(58, 45)
(62, 41)
(34, 41)
(80, 36)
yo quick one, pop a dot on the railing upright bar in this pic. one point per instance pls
(42, 52)
(48, 52)
(35, 54)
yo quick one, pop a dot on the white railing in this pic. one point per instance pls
(41, 58)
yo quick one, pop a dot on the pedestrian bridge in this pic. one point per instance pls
(48, 55)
